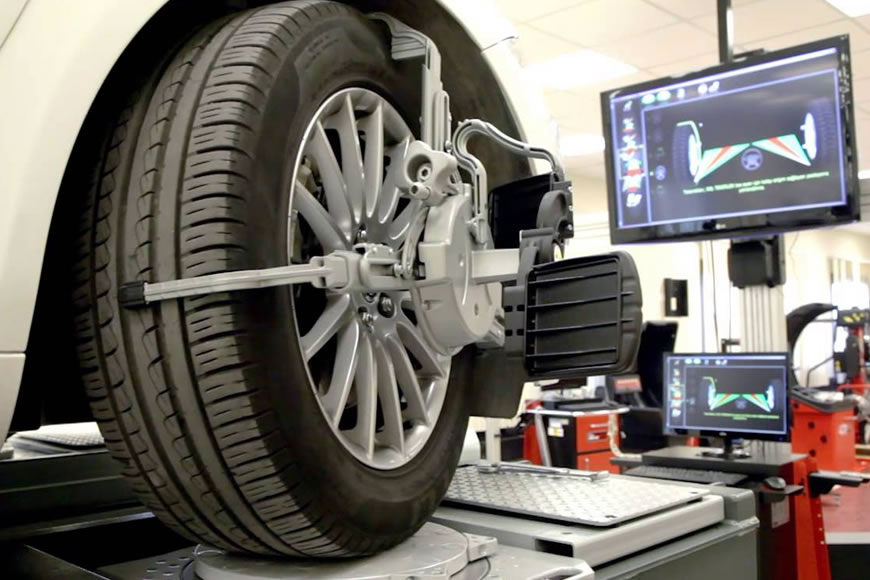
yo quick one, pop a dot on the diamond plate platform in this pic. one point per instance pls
(72, 435)
(603, 502)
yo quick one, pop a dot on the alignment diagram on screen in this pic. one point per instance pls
(716, 399)
(801, 148)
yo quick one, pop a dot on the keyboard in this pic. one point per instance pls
(689, 475)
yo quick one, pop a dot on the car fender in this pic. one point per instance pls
(52, 64)
(10, 10)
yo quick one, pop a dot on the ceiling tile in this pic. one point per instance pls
(602, 21)
(861, 64)
(686, 8)
(535, 46)
(579, 111)
(688, 65)
(576, 112)
(707, 22)
(766, 18)
(859, 38)
(774, 17)
(523, 10)
(570, 106)
(623, 81)
(662, 46)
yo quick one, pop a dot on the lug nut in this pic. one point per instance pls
(386, 306)
(361, 236)
(366, 317)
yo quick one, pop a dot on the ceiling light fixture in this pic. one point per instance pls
(579, 145)
(851, 8)
(577, 69)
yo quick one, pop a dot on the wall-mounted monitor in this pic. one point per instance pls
(762, 145)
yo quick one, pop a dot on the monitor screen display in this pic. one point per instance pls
(741, 395)
(757, 145)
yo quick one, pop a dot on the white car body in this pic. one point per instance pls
(54, 57)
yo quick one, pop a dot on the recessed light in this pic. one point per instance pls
(864, 174)
(577, 69)
(582, 144)
(851, 8)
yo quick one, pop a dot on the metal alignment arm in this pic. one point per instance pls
(473, 166)
(322, 272)
(408, 43)
(340, 271)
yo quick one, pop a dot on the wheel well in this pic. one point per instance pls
(51, 390)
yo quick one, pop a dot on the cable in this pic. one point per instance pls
(701, 276)
(715, 305)
(730, 312)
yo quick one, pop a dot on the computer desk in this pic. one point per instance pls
(791, 537)
(766, 459)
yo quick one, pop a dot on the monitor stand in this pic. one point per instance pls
(727, 452)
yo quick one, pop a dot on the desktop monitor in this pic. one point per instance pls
(734, 396)
(765, 144)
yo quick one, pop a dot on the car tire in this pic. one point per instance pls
(207, 402)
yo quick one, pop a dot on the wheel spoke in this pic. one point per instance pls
(373, 127)
(408, 380)
(400, 225)
(344, 121)
(389, 199)
(366, 384)
(379, 382)
(393, 434)
(324, 226)
(343, 371)
(330, 173)
(333, 317)
(415, 342)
